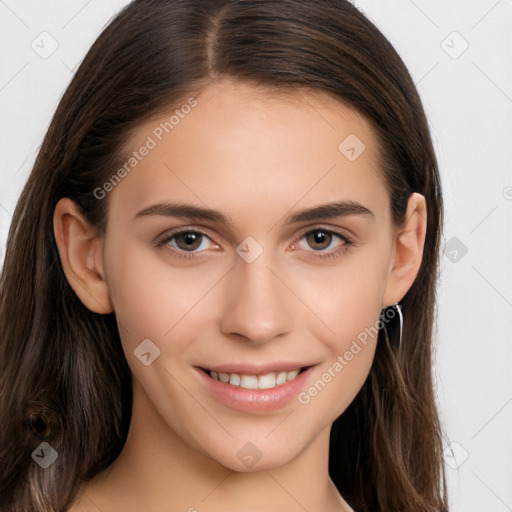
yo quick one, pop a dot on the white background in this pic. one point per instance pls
(467, 93)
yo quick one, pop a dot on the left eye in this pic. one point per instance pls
(189, 241)
(320, 240)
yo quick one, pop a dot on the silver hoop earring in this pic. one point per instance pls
(401, 317)
(392, 329)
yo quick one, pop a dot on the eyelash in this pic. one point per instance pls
(347, 243)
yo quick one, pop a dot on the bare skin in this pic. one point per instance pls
(258, 157)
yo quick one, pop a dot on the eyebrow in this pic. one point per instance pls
(188, 211)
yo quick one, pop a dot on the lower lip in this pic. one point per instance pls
(243, 399)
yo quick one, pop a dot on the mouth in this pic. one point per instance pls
(269, 380)
(255, 388)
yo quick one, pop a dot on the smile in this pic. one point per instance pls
(255, 387)
(267, 381)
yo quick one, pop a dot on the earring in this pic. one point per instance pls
(401, 317)
(388, 315)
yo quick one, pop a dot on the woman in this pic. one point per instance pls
(219, 284)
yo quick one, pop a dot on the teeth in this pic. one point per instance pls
(291, 375)
(234, 379)
(281, 378)
(267, 381)
(249, 381)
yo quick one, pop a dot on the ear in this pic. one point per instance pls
(81, 253)
(408, 243)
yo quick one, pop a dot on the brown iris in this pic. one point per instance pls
(188, 240)
(319, 240)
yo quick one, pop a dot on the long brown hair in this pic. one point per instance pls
(63, 375)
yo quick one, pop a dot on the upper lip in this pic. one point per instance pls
(256, 369)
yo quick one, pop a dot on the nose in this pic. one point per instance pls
(258, 307)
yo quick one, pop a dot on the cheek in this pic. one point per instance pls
(347, 298)
(352, 316)
(347, 305)
(152, 299)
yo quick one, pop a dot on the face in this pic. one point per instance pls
(264, 262)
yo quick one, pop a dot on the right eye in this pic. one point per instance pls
(189, 241)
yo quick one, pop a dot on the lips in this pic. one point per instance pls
(253, 387)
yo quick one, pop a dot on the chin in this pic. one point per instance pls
(253, 456)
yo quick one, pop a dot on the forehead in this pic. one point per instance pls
(242, 148)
